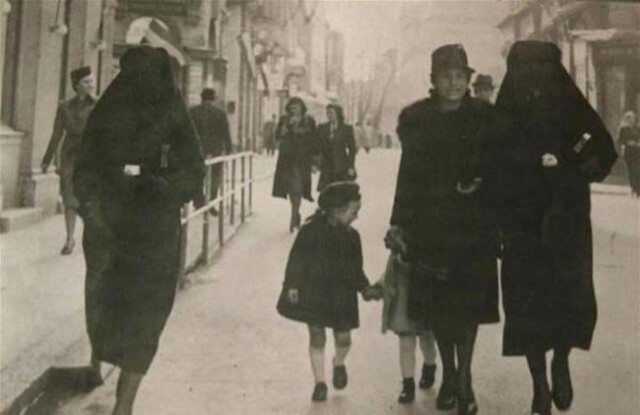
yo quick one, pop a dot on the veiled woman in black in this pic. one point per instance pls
(559, 145)
(295, 134)
(140, 160)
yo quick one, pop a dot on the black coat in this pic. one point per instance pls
(295, 158)
(132, 223)
(446, 231)
(547, 268)
(338, 154)
(212, 126)
(325, 265)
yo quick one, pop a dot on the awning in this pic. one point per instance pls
(158, 35)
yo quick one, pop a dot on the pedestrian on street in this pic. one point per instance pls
(483, 88)
(140, 161)
(337, 148)
(68, 127)
(269, 135)
(366, 133)
(442, 214)
(296, 136)
(322, 279)
(395, 317)
(212, 126)
(629, 140)
(558, 146)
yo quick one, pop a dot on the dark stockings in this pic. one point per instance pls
(536, 360)
(296, 200)
(457, 340)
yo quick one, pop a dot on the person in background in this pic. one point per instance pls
(442, 215)
(558, 146)
(629, 141)
(139, 162)
(337, 148)
(483, 88)
(68, 127)
(297, 148)
(269, 135)
(323, 277)
(212, 126)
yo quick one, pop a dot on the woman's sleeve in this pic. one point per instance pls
(184, 182)
(359, 278)
(404, 200)
(593, 163)
(56, 136)
(300, 257)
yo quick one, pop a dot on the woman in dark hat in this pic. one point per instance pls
(68, 127)
(337, 148)
(441, 214)
(559, 145)
(295, 133)
(140, 161)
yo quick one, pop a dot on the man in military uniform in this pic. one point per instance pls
(68, 127)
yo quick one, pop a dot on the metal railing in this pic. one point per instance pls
(235, 184)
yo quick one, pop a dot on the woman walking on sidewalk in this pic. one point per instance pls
(629, 140)
(337, 146)
(296, 136)
(140, 160)
(68, 127)
(440, 213)
(559, 145)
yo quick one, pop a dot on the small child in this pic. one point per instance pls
(323, 277)
(395, 287)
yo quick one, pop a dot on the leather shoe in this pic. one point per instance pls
(319, 392)
(562, 389)
(340, 378)
(408, 393)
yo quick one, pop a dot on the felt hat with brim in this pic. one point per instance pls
(483, 81)
(450, 57)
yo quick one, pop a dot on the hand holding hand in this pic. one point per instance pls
(292, 296)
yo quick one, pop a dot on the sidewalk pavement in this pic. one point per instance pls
(42, 301)
(225, 350)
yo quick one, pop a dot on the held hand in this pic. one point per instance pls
(549, 160)
(292, 295)
(468, 188)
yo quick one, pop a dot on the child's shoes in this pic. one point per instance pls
(340, 377)
(319, 392)
(408, 393)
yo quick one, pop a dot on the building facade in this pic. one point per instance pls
(600, 42)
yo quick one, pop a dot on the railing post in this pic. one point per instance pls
(184, 238)
(233, 191)
(221, 209)
(243, 178)
(205, 216)
(250, 183)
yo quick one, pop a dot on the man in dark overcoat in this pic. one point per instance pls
(442, 214)
(68, 127)
(212, 126)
